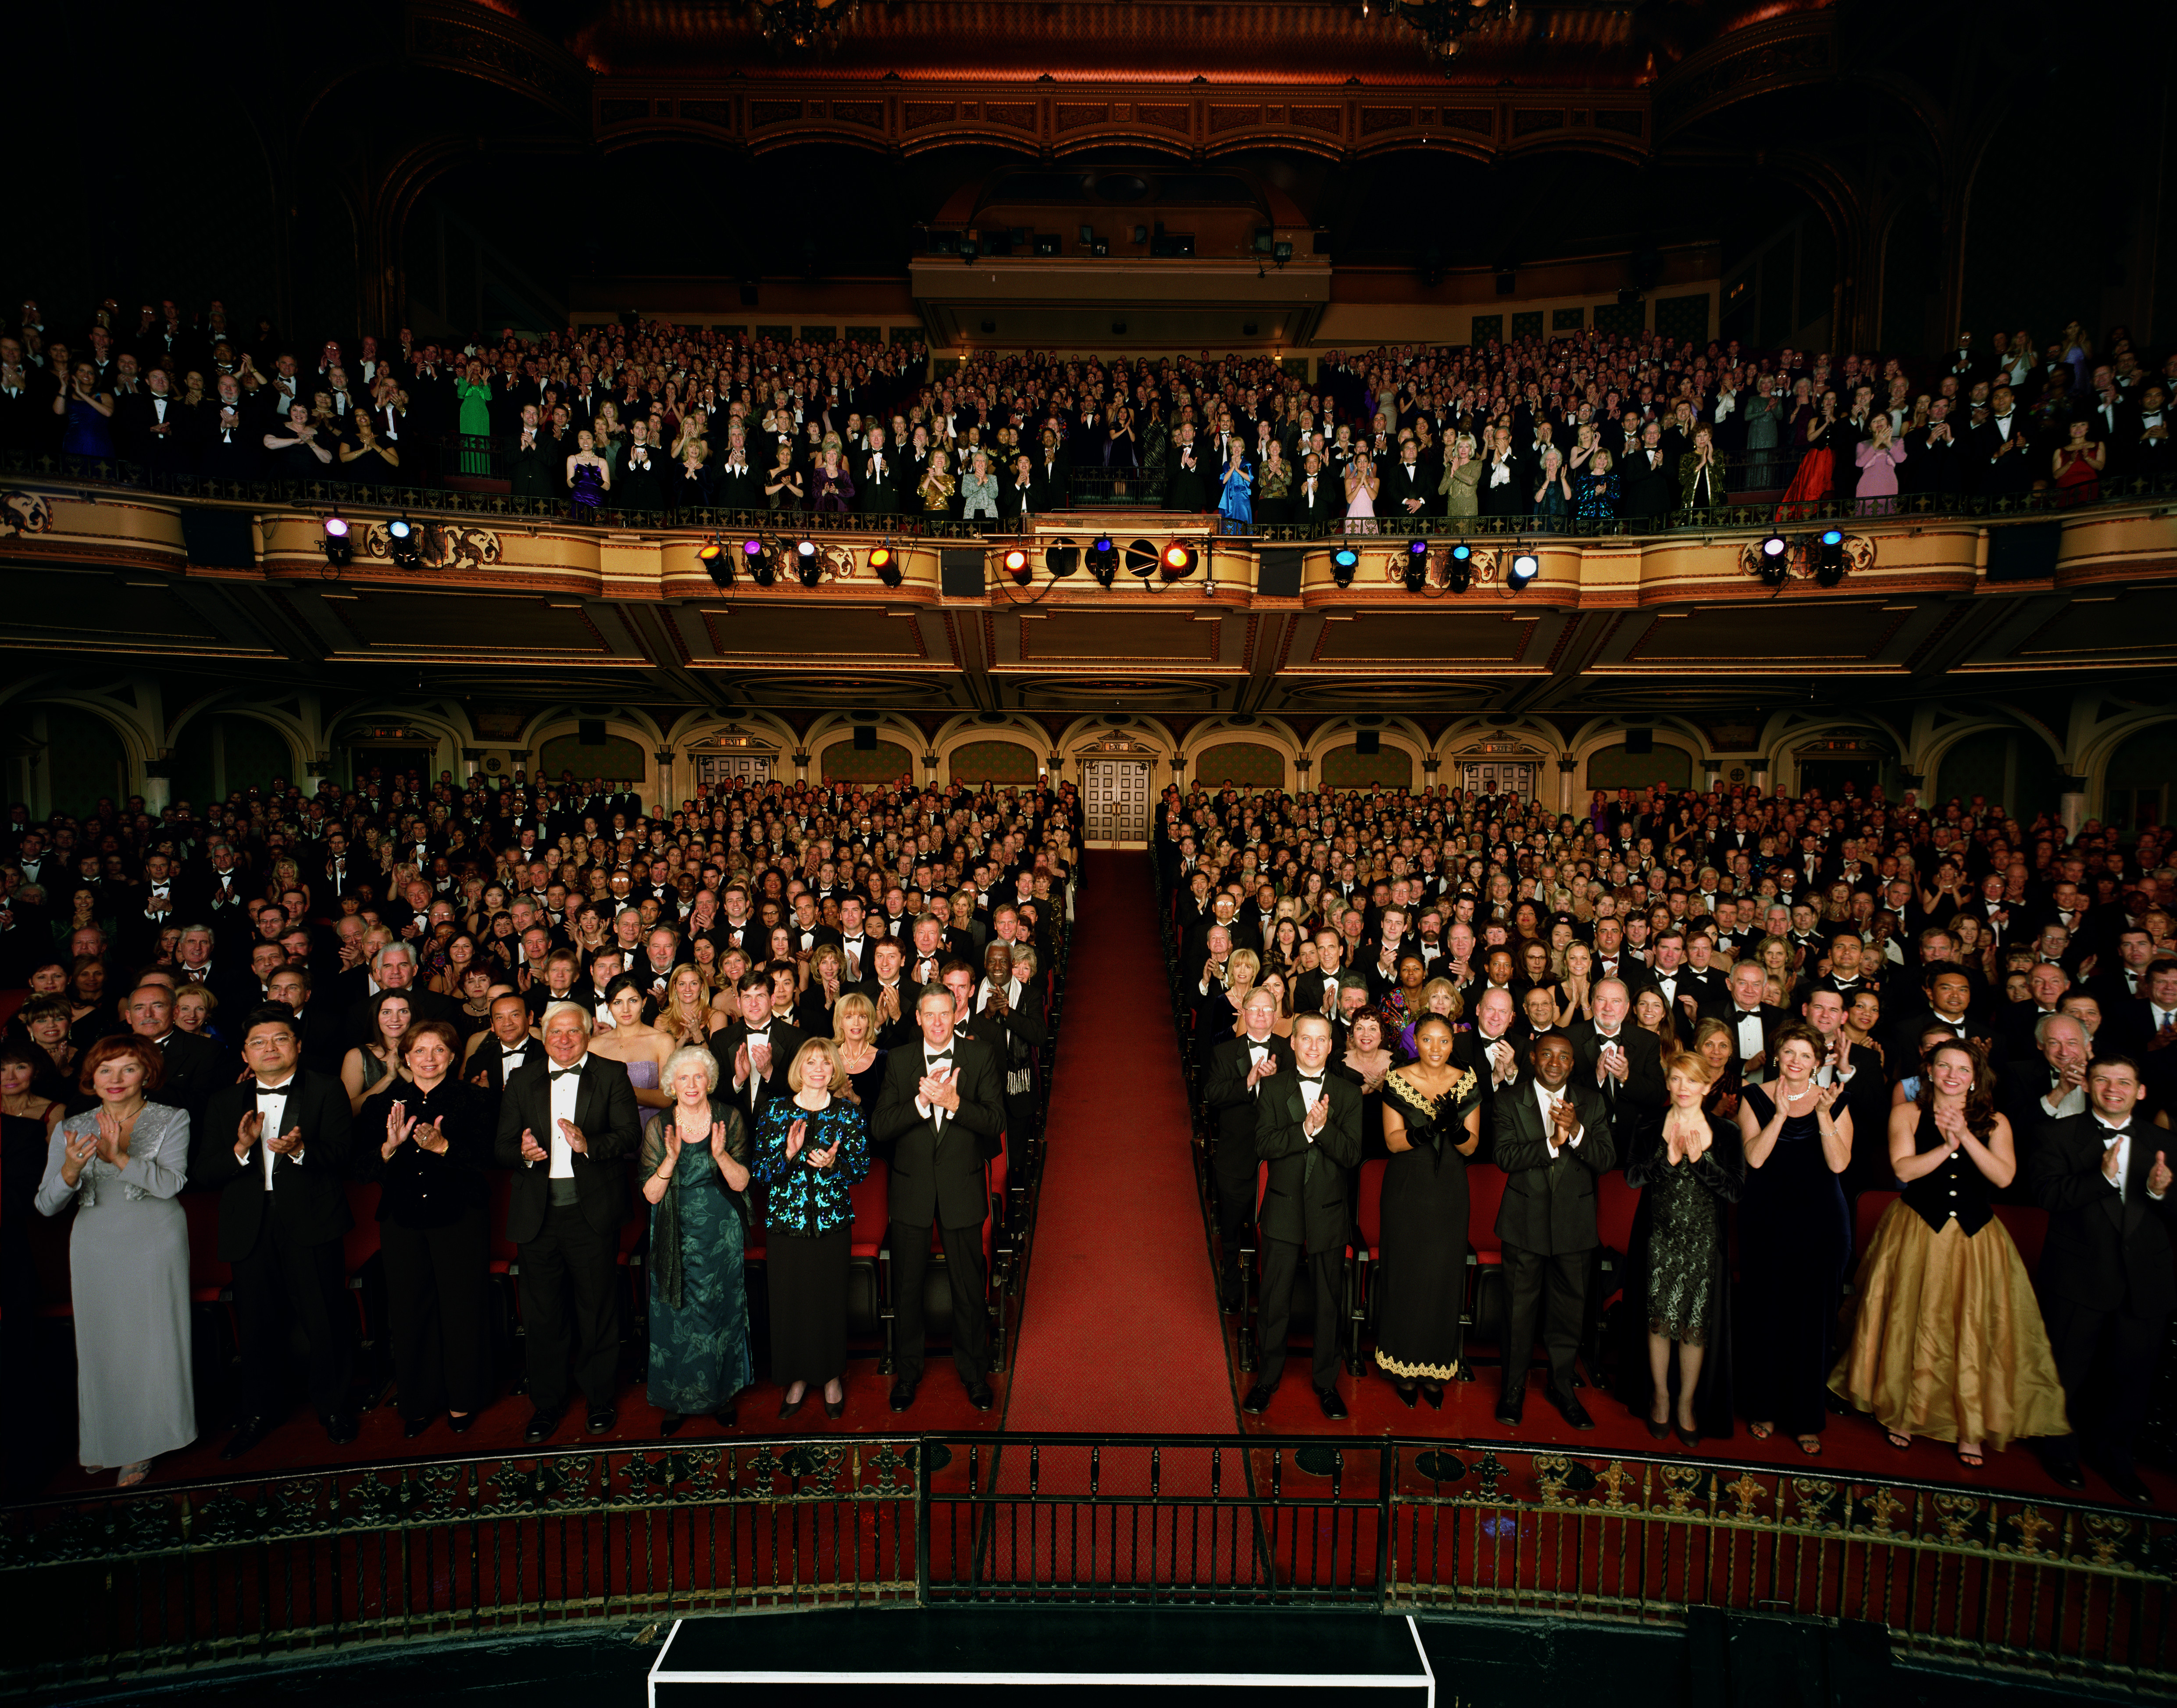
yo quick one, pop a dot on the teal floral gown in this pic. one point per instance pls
(698, 1323)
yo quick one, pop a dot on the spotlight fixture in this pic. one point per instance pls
(1343, 563)
(403, 541)
(751, 550)
(806, 564)
(1017, 566)
(1829, 561)
(1458, 567)
(762, 563)
(339, 548)
(1179, 560)
(1103, 559)
(1417, 553)
(1775, 566)
(1062, 560)
(884, 564)
(716, 561)
(1525, 566)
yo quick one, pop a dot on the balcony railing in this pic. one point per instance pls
(161, 1579)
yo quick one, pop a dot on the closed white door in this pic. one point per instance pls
(1116, 795)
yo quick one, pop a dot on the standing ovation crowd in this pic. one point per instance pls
(508, 1014)
(1748, 1012)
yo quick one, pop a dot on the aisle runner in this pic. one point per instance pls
(1119, 1333)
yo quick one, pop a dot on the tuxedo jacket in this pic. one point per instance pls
(786, 1041)
(1305, 1201)
(2105, 1251)
(1773, 1015)
(1641, 1097)
(611, 1121)
(1549, 1204)
(938, 1164)
(307, 1204)
(1236, 1111)
(197, 1068)
(1401, 483)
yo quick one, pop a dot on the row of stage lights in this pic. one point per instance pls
(1824, 552)
(1525, 565)
(1103, 558)
(762, 561)
(401, 538)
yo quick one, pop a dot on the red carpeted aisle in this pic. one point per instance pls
(1119, 1330)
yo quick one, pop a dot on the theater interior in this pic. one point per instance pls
(1664, 466)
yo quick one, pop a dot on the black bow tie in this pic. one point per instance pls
(1311, 1079)
(506, 1055)
(563, 1073)
(279, 1090)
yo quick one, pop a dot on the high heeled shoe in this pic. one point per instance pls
(1408, 1392)
(1434, 1393)
(1659, 1429)
(835, 1408)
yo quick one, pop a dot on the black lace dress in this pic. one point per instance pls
(1423, 1277)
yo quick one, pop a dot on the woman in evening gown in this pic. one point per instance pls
(1431, 1124)
(1361, 495)
(1794, 1235)
(1689, 1167)
(589, 478)
(694, 1175)
(1946, 1338)
(1236, 506)
(1810, 432)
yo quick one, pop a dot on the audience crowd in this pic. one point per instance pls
(1571, 432)
(482, 1014)
(1746, 1011)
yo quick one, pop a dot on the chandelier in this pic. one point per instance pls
(1445, 25)
(802, 26)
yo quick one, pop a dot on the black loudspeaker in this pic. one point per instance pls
(1280, 578)
(590, 732)
(1639, 741)
(2023, 551)
(865, 738)
(218, 539)
(1367, 742)
(960, 574)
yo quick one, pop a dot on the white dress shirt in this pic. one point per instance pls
(1547, 1100)
(566, 1088)
(272, 1104)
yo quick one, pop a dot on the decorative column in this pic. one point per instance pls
(800, 766)
(2071, 802)
(1428, 771)
(1566, 767)
(1056, 774)
(158, 790)
(664, 758)
(930, 766)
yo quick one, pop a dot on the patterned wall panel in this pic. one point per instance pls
(1613, 768)
(1242, 764)
(1346, 767)
(617, 760)
(993, 761)
(884, 763)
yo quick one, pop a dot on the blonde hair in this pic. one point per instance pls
(840, 1082)
(1240, 958)
(850, 1003)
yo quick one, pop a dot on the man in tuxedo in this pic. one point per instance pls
(1999, 450)
(567, 1122)
(505, 1047)
(1048, 477)
(1553, 1142)
(1232, 1088)
(393, 968)
(736, 483)
(1307, 1127)
(197, 1067)
(2105, 1279)
(1648, 481)
(758, 1048)
(1313, 496)
(884, 983)
(876, 478)
(1753, 1021)
(1407, 492)
(1623, 1062)
(317, 1028)
(1014, 1005)
(275, 1148)
(942, 1110)
(1489, 1053)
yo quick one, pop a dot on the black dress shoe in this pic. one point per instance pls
(252, 1431)
(1510, 1407)
(670, 1424)
(726, 1417)
(1434, 1393)
(1258, 1399)
(902, 1394)
(980, 1395)
(542, 1423)
(2127, 1483)
(1569, 1408)
(1334, 1408)
(459, 1422)
(835, 1408)
(601, 1420)
(787, 1408)
(2066, 1471)
(1408, 1393)
(413, 1427)
(341, 1427)
(1660, 1431)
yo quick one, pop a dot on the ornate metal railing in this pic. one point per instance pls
(1092, 489)
(165, 1579)
(189, 1576)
